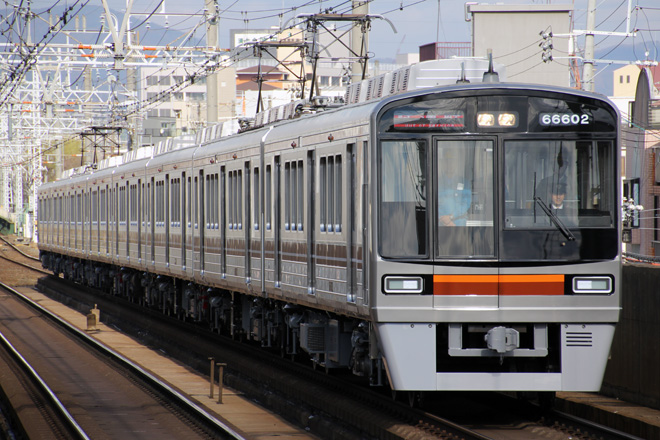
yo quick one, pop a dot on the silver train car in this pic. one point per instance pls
(456, 237)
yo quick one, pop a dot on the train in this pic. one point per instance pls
(409, 233)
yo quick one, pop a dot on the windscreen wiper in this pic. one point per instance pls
(555, 220)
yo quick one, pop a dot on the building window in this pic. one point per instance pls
(627, 79)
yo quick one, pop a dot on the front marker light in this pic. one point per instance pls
(601, 285)
(402, 284)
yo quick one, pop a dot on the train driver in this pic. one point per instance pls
(454, 193)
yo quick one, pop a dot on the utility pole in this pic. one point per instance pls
(212, 80)
(588, 68)
(359, 42)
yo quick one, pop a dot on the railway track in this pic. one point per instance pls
(92, 391)
(13, 254)
(341, 400)
(24, 388)
(17, 249)
(277, 381)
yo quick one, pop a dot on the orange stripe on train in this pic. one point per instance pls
(498, 284)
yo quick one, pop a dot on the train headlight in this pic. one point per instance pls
(497, 119)
(507, 119)
(403, 284)
(601, 285)
(485, 119)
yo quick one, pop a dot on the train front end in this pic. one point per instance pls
(496, 244)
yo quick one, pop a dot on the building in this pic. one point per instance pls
(512, 33)
(641, 139)
(177, 110)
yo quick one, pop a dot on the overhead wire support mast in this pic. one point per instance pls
(314, 21)
(589, 57)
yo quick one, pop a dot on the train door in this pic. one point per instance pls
(127, 190)
(105, 223)
(311, 221)
(140, 226)
(94, 222)
(184, 219)
(167, 213)
(199, 189)
(84, 242)
(277, 227)
(189, 222)
(77, 224)
(363, 207)
(223, 221)
(350, 225)
(152, 220)
(247, 216)
(464, 204)
(256, 225)
(116, 199)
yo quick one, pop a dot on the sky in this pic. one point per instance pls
(417, 22)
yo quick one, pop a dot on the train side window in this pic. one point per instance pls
(257, 209)
(239, 198)
(209, 201)
(95, 204)
(324, 192)
(216, 201)
(189, 203)
(235, 201)
(196, 202)
(212, 201)
(175, 218)
(338, 193)
(122, 204)
(134, 204)
(103, 214)
(79, 208)
(331, 193)
(160, 203)
(230, 200)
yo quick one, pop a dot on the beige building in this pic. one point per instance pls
(512, 33)
(181, 110)
(624, 81)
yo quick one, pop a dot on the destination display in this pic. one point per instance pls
(418, 118)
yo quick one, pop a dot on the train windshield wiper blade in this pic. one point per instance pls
(555, 220)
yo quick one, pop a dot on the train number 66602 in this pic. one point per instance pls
(548, 119)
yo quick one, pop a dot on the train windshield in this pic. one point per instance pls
(465, 189)
(506, 177)
(403, 204)
(571, 180)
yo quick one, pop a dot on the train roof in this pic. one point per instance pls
(361, 102)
